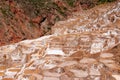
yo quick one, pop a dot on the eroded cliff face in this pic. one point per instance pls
(80, 48)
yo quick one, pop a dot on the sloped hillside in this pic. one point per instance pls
(22, 19)
(29, 19)
(15, 25)
(83, 49)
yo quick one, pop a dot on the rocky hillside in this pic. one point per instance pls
(14, 24)
(84, 47)
(29, 19)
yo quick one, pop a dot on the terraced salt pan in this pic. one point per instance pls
(100, 37)
(117, 77)
(106, 61)
(54, 52)
(87, 60)
(50, 78)
(80, 73)
(49, 66)
(51, 74)
(106, 55)
(94, 71)
(68, 63)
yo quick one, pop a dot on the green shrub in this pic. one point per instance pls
(103, 1)
(6, 11)
(71, 2)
